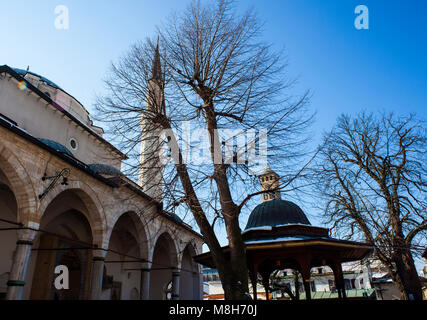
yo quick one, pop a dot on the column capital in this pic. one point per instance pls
(26, 236)
(20, 263)
(97, 274)
(175, 283)
(146, 266)
(99, 254)
(176, 272)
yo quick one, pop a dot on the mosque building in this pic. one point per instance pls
(65, 201)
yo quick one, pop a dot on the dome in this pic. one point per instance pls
(276, 213)
(101, 168)
(57, 146)
(47, 81)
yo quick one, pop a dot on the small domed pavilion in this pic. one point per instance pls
(278, 236)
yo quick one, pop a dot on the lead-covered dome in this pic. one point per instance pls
(57, 146)
(276, 213)
(46, 80)
(101, 168)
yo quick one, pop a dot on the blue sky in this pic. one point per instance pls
(347, 70)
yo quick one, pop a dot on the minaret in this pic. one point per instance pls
(269, 181)
(150, 168)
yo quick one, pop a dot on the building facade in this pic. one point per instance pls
(65, 202)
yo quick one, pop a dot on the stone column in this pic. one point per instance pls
(97, 274)
(197, 294)
(175, 284)
(21, 259)
(145, 282)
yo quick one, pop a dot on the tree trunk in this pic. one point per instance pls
(239, 289)
(410, 284)
(236, 284)
(233, 273)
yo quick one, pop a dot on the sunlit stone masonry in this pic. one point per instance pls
(65, 201)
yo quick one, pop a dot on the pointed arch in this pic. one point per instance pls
(190, 274)
(20, 184)
(141, 233)
(95, 211)
(164, 259)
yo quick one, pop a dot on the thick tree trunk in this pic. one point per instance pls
(233, 273)
(239, 289)
(235, 284)
(408, 280)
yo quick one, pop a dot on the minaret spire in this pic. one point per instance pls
(151, 170)
(156, 69)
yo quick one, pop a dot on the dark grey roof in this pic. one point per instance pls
(276, 213)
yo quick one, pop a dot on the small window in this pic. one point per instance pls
(73, 144)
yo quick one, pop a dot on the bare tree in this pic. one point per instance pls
(210, 70)
(372, 175)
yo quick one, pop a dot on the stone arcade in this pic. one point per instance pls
(64, 201)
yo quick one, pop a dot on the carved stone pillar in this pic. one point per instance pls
(145, 282)
(176, 275)
(97, 274)
(21, 259)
